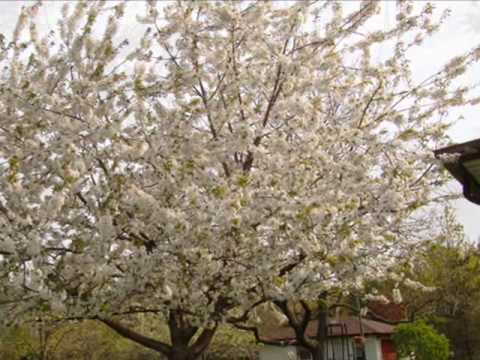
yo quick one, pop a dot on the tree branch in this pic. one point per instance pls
(203, 341)
(296, 325)
(370, 101)
(137, 337)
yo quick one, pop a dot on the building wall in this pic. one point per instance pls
(388, 349)
(373, 348)
(269, 352)
(337, 349)
(341, 349)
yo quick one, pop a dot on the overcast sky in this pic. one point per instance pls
(460, 33)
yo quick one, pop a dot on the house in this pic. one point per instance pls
(345, 341)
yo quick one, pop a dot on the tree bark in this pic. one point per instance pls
(181, 335)
(180, 354)
(137, 337)
(322, 331)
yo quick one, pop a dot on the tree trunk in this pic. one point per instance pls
(181, 354)
(322, 331)
(181, 335)
(317, 356)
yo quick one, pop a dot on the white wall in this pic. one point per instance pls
(269, 352)
(338, 347)
(373, 351)
(373, 348)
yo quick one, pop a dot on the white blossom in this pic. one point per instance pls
(237, 152)
(397, 296)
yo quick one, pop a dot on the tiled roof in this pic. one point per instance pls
(388, 311)
(343, 327)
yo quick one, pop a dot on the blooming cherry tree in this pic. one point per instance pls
(235, 153)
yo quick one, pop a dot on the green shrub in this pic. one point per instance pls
(422, 340)
(232, 344)
(17, 343)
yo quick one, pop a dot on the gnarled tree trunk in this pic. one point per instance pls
(322, 333)
(181, 334)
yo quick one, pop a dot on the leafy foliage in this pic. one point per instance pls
(422, 341)
(90, 340)
(453, 272)
(16, 343)
(441, 284)
(230, 343)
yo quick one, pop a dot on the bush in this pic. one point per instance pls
(232, 344)
(17, 343)
(422, 340)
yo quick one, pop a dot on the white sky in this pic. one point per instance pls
(460, 33)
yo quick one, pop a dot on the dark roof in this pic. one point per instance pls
(391, 312)
(463, 148)
(466, 151)
(343, 327)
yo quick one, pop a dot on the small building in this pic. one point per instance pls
(345, 341)
(463, 162)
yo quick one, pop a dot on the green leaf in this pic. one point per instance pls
(219, 192)
(242, 181)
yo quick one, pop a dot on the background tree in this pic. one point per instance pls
(450, 267)
(88, 340)
(240, 152)
(446, 285)
(91, 340)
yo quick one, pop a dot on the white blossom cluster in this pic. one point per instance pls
(240, 152)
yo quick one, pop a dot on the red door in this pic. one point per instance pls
(388, 350)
